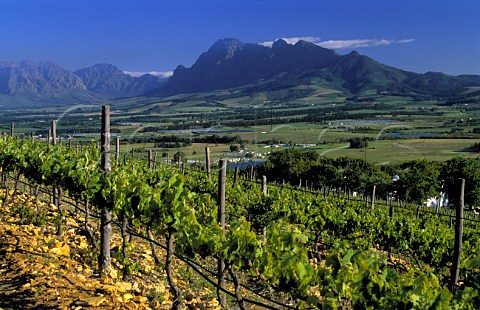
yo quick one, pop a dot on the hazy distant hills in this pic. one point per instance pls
(230, 63)
(110, 82)
(227, 64)
(29, 82)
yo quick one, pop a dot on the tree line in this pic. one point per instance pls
(417, 181)
(177, 141)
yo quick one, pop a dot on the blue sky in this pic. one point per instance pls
(148, 35)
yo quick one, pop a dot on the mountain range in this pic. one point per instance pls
(227, 64)
(29, 82)
(230, 63)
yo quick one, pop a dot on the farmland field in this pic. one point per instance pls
(397, 128)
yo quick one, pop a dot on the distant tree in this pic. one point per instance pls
(290, 164)
(380, 179)
(475, 147)
(353, 173)
(358, 143)
(419, 180)
(237, 138)
(234, 148)
(324, 172)
(179, 157)
(465, 168)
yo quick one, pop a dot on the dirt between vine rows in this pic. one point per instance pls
(38, 270)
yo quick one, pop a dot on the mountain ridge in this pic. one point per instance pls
(227, 64)
(110, 82)
(45, 82)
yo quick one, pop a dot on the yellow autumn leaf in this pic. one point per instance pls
(146, 256)
(123, 287)
(63, 250)
(213, 303)
(83, 244)
(71, 222)
(94, 301)
(140, 299)
(26, 285)
(127, 296)
(148, 252)
(106, 280)
(110, 289)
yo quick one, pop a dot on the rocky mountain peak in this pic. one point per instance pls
(279, 43)
(227, 43)
(27, 77)
(111, 82)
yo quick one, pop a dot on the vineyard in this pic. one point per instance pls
(280, 249)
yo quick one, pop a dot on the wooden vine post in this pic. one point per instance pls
(207, 162)
(117, 150)
(264, 185)
(457, 251)
(150, 159)
(235, 177)
(54, 132)
(373, 196)
(12, 129)
(390, 210)
(104, 260)
(222, 176)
